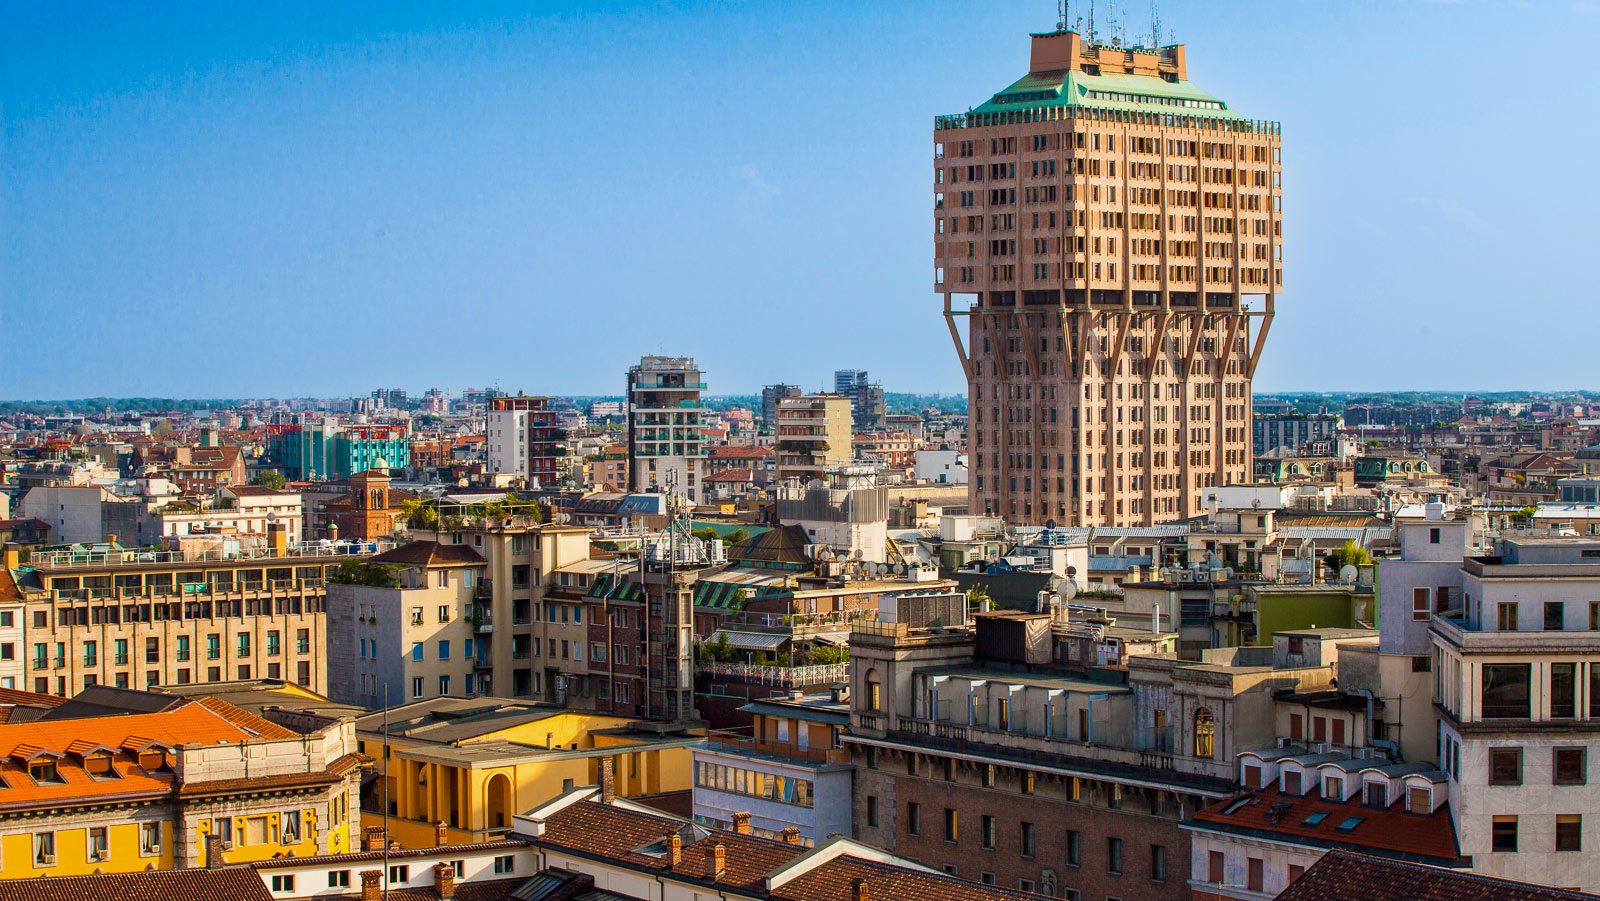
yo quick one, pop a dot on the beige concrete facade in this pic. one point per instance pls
(1121, 232)
(813, 435)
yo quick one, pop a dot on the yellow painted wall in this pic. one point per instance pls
(72, 852)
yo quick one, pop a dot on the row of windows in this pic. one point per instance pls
(752, 783)
(182, 676)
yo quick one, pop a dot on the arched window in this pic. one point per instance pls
(1205, 727)
(874, 691)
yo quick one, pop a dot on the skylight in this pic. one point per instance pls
(1316, 818)
(1349, 824)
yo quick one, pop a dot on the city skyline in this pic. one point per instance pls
(204, 173)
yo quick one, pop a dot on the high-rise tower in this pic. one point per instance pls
(1121, 233)
(666, 426)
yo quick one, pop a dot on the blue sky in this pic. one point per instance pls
(207, 199)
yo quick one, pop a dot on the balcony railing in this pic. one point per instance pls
(782, 676)
(789, 752)
(134, 557)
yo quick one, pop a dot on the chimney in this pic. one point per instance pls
(213, 852)
(716, 861)
(13, 556)
(608, 780)
(394, 846)
(371, 885)
(675, 849)
(789, 835)
(444, 879)
(441, 834)
(741, 823)
(858, 890)
(372, 839)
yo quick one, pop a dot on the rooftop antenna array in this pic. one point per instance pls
(1061, 15)
(1093, 36)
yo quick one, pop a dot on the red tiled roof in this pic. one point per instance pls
(732, 475)
(225, 884)
(1342, 876)
(1389, 829)
(741, 452)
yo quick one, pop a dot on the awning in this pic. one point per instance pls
(749, 641)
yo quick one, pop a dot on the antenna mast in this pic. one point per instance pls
(1092, 35)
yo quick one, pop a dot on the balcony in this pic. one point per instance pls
(780, 676)
(731, 742)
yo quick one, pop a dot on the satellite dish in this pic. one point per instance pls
(1067, 591)
(1348, 573)
(1050, 524)
(899, 569)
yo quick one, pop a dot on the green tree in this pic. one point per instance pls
(378, 575)
(737, 536)
(266, 478)
(705, 534)
(1349, 554)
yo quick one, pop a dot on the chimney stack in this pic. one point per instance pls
(372, 839)
(790, 835)
(371, 885)
(716, 861)
(858, 890)
(441, 834)
(608, 780)
(213, 852)
(444, 879)
(741, 823)
(675, 849)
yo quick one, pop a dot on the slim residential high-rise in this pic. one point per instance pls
(769, 402)
(1120, 233)
(525, 438)
(666, 425)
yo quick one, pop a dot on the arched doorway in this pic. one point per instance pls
(497, 800)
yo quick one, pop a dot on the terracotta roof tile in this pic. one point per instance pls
(1342, 876)
(1390, 829)
(431, 553)
(226, 884)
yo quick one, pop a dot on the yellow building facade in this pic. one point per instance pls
(85, 791)
(473, 764)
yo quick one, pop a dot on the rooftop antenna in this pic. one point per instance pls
(1155, 26)
(1092, 35)
(1061, 15)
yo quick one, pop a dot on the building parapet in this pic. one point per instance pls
(780, 676)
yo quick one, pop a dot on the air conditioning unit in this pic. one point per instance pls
(47, 860)
(102, 854)
(1285, 742)
(227, 846)
(1322, 747)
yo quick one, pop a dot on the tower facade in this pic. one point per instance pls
(1119, 234)
(666, 426)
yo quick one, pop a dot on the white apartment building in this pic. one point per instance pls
(789, 770)
(1517, 686)
(666, 426)
(1425, 579)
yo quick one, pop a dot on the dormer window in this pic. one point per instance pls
(44, 772)
(99, 766)
(1333, 788)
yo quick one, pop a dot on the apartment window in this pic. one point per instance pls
(913, 818)
(416, 651)
(1506, 690)
(1114, 855)
(152, 650)
(149, 838)
(505, 863)
(291, 828)
(283, 883)
(183, 648)
(1158, 863)
(1563, 690)
(242, 642)
(444, 649)
(1421, 663)
(872, 810)
(1025, 837)
(951, 833)
(400, 874)
(1505, 766)
(1508, 617)
(1554, 615)
(1569, 832)
(987, 831)
(1504, 835)
(1594, 616)
(1295, 872)
(1253, 874)
(1073, 850)
(1433, 536)
(302, 641)
(274, 641)
(44, 849)
(99, 843)
(338, 879)
(1571, 766)
(213, 646)
(1419, 604)
(416, 687)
